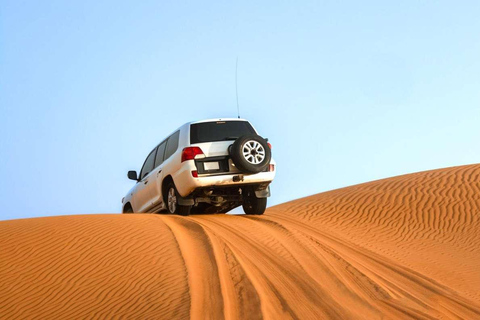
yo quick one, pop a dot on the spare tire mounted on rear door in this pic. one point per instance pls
(250, 153)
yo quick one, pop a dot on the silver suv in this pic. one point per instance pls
(207, 166)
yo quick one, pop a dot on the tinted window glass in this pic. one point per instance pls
(160, 152)
(148, 165)
(172, 144)
(219, 131)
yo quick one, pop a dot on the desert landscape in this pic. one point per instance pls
(397, 248)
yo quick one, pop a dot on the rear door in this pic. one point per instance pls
(165, 150)
(214, 138)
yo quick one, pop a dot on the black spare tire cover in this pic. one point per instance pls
(250, 153)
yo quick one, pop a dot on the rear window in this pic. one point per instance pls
(219, 131)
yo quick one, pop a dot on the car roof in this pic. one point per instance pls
(187, 125)
(217, 119)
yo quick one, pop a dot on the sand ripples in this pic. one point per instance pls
(404, 247)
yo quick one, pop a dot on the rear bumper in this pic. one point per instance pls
(186, 183)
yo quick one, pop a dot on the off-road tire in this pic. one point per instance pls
(176, 208)
(253, 205)
(250, 153)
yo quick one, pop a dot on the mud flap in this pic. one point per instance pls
(185, 201)
(265, 193)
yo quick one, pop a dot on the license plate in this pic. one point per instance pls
(211, 166)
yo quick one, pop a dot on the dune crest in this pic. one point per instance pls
(403, 247)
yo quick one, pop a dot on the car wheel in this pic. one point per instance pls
(172, 202)
(253, 205)
(250, 153)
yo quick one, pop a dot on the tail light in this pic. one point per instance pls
(271, 167)
(190, 153)
(195, 173)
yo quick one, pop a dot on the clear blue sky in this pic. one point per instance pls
(347, 92)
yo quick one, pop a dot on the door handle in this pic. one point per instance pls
(159, 171)
(146, 181)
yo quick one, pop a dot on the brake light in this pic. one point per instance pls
(269, 145)
(189, 153)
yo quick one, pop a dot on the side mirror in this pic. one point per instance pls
(132, 175)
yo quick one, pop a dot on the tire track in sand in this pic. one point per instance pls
(403, 247)
(203, 275)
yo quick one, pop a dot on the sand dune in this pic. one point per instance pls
(403, 247)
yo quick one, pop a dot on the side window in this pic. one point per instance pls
(172, 144)
(148, 165)
(160, 152)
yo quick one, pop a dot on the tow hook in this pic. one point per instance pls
(238, 178)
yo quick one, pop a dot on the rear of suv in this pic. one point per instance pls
(207, 166)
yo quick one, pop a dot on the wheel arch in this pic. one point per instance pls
(127, 206)
(165, 183)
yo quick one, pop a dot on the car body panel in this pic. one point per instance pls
(186, 184)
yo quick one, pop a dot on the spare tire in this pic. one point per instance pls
(250, 153)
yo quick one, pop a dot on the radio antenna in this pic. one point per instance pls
(236, 87)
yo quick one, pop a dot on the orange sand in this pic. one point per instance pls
(404, 247)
